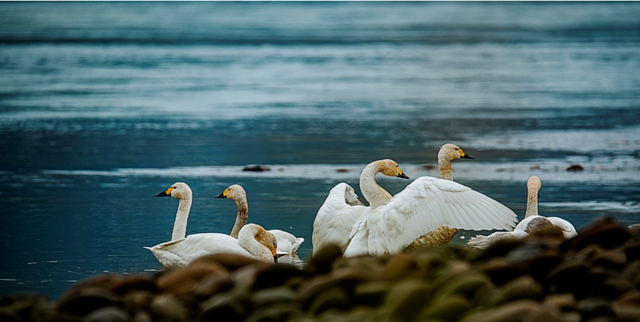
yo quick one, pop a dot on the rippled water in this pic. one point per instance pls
(102, 105)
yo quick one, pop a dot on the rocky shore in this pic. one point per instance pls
(594, 276)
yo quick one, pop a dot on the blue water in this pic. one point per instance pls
(102, 105)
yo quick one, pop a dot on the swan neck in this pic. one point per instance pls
(371, 191)
(180, 224)
(241, 218)
(446, 172)
(532, 206)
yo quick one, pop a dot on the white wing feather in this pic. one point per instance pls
(336, 217)
(424, 205)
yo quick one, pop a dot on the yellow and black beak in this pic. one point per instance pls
(465, 156)
(402, 175)
(223, 194)
(166, 193)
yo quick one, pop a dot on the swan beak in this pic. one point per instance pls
(402, 175)
(276, 256)
(466, 156)
(223, 194)
(166, 193)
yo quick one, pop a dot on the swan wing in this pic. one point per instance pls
(287, 242)
(567, 228)
(179, 253)
(336, 217)
(424, 205)
(482, 242)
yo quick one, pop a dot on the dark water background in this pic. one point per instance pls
(102, 105)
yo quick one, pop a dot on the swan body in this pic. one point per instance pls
(253, 241)
(342, 209)
(336, 217)
(288, 244)
(425, 205)
(532, 222)
(180, 250)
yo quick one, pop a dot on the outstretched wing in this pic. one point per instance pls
(336, 217)
(424, 205)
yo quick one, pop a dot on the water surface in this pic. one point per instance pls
(102, 105)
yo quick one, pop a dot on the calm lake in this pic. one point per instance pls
(103, 105)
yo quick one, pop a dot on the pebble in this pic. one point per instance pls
(594, 276)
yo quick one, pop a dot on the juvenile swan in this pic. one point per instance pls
(532, 221)
(253, 240)
(288, 244)
(342, 208)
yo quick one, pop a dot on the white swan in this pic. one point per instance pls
(342, 209)
(253, 240)
(288, 244)
(532, 221)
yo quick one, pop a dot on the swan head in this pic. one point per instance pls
(262, 236)
(533, 186)
(178, 190)
(390, 168)
(450, 152)
(234, 192)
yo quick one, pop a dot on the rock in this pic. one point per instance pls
(108, 314)
(181, 282)
(523, 310)
(523, 287)
(448, 308)
(595, 307)
(167, 307)
(406, 300)
(85, 299)
(276, 275)
(335, 298)
(224, 307)
(575, 168)
(322, 260)
(605, 232)
(256, 168)
(569, 277)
